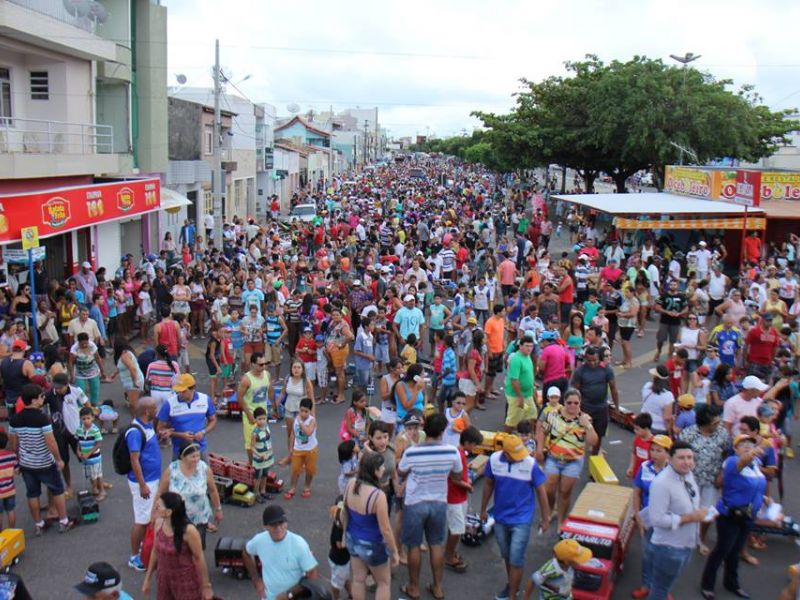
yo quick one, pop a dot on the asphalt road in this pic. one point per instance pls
(53, 563)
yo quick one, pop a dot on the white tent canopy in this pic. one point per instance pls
(652, 203)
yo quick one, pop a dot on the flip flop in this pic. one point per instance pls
(306, 494)
(751, 560)
(431, 589)
(405, 592)
(288, 495)
(459, 566)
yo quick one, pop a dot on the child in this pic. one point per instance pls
(219, 308)
(348, 463)
(322, 369)
(37, 358)
(108, 416)
(438, 356)
(306, 351)
(601, 320)
(525, 433)
(261, 443)
(305, 450)
(226, 357)
(700, 384)
(590, 308)
(553, 402)
(234, 325)
(711, 360)
(354, 421)
(554, 578)
(457, 419)
(642, 440)
(8, 491)
(457, 500)
(89, 441)
(686, 415)
(338, 556)
(183, 343)
(409, 352)
(145, 310)
(381, 340)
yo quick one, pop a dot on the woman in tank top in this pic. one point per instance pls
(296, 387)
(386, 389)
(693, 339)
(130, 374)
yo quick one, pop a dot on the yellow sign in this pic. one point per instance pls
(758, 223)
(30, 238)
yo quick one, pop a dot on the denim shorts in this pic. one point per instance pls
(8, 504)
(372, 553)
(565, 468)
(429, 518)
(35, 478)
(513, 542)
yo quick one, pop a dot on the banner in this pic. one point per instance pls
(748, 188)
(59, 210)
(689, 181)
(780, 186)
(759, 223)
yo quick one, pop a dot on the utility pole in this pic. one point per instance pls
(377, 136)
(684, 60)
(218, 177)
(366, 142)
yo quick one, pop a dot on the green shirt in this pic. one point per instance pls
(520, 367)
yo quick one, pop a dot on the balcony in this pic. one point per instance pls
(39, 148)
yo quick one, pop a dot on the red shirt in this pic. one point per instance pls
(455, 494)
(591, 252)
(610, 275)
(567, 295)
(752, 248)
(675, 377)
(310, 344)
(641, 452)
(761, 345)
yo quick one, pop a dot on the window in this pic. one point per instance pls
(208, 201)
(40, 85)
(209, 141)
(5, 96)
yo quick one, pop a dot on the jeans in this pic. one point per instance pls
(731, 537)
(666, 569)
(513, 542)
(647, 558)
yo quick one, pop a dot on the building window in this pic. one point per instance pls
(208, 202)
(209, 141)
(5, 96)
(40, 85)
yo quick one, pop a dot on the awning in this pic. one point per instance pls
(172, 201)
(758, 223)
(655, 203)
(781, 209)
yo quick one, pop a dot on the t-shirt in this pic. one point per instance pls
(456, 494)
(495, 330)
(515, 486)
(728, 341)
(283, 563)
(87, 438)
(506, 271)
(554, 583)
(641, 452)
(8, 462)
(30, 426)
(737, 407)
(762, 345)
(741, 488)
(150, 455)
(185, 416)
(553, 362)
(673, 303)
(520, 367)
(86, 366)
(409, 320)
(428, 467)
(653, 404)
(303, 441)
(644, 477)
(593, 384)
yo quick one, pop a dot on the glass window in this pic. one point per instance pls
(40, 85)
(5, 96)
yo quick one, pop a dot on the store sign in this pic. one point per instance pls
(20, 257)
(780, 186)
(748, 188)
(65, 209)
(688, 181)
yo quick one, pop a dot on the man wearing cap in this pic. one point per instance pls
(703, 255)
(760, 345)
(16, 371)
(102, 582)
(187, 415)
(285, 557)
(519, 388)
(86, 280)
(409, 319)
(515, 480)
(743, 404)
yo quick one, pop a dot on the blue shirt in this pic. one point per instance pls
(514, 488)
(251, 298)
(685, 418)
(728, 342)
(409, 320)
(187, 416)
(94, 313)
(449, 367)
(364, 343)
(150, 457)
(237, 338)
(741, 488)
(283, 563)
(644, 477)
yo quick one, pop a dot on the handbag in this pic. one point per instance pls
(148, 542)
(741, 514)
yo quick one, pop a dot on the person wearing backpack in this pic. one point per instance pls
(137, 454)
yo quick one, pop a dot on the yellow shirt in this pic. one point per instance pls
(408, 355)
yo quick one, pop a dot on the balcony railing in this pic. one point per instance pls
(36, 136)
(78, 13)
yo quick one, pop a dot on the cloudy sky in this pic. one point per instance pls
(427, 63)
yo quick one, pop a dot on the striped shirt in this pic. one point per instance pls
(448, 258)
(87, 438)
(567, 437)
(274, 329)
(554, 583)
(8, 461)
(449, 367)
(161, 376)
(428, 467)
(30, 426)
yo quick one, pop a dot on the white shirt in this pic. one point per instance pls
(703, 259)
(208, 221)
(654, 404)
(655, 279)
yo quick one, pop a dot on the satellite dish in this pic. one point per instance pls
(98, 12)
(77, 8)
(226, 73)
(180, 78)
(293, 108)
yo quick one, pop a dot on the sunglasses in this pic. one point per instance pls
(260, 364)
(689, 489)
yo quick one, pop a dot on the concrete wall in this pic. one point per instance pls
(151, 86)
(113, 108)
(185, 130)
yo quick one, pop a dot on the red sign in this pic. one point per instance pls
(748, 188)
(64, 209)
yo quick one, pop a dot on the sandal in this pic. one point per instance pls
(751, 560)
(212, 528)
(289, 495)
(431, 591)
(306, 494)
(459, 566)
(757, 544)
(405, 592)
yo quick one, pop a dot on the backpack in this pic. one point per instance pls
(120, 455)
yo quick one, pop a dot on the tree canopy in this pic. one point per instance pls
(623, 117)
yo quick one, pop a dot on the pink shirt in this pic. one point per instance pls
(506, 272)
(737, 407)
(553, 363)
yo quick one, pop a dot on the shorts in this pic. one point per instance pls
(339, 357)
(251, 347)
(340, 575)
(665, 331)
(92, 472)
(311, 370)
(515, 414)
(261, 473)
(363, 378)
(142, 507)
(65, 443)
(457, 518)
(322, 374)
(389, 416)
(183, 358)
(372, 553)
(305, 460)
(626, 333)
(247, 431)
(49, 477)
(468, 387)
(382, 354)
(495, 365)
(428, 518)
(599, 419)
(212, 370)
(513, 542)
(564, 468)
(8, 504)
(226, 371)
(274, 354)
(708, 495)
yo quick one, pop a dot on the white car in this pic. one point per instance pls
(301, 212)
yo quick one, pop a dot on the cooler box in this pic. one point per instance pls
(591, 576)
(601, 471)
(605, 592)
(12, 544)
(607, 542)
(609, 504)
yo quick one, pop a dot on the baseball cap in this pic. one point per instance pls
(273, 514)
(307, 329)
(743, 437)
(549, 336)
(513, 446)
(751, 382)
(385, 269)
(767, 316)
(472, 320)
(319, 338)
(571, 551)
(408, 298)
(703, 370)
(86, 264)
(765, 410)
(702, 243)
(686, 401)
(553, 391)
(413, 417)
(183, 382)
(662, 440)
(99, 576)
(20, 345)
(356, 283)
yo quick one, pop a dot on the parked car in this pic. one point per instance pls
(302, 212)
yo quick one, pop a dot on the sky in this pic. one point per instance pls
(426, 64)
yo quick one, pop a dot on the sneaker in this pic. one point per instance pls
(38, 528)
(65, 527)
(789, 452)
(135, 563)
(502, 594)
(640, 592)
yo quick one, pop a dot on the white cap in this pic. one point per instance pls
(356, 283)
(703, 243)
(386, 269)
(87, 265)
(408, 298)
(751, 382)
(553, 391)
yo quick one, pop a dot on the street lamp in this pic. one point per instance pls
(684, 60)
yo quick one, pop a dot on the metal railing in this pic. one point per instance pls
(37, 136)
(78, 14)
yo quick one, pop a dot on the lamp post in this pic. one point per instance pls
(684, 60)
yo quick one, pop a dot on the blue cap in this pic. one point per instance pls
(549, 336)
(319, 338)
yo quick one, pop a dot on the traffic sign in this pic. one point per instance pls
(30, 237)
(16, 256)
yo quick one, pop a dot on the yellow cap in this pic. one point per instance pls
(572, 551)
(513, 446)
(686, 401)
(662, 440)
(183, 382)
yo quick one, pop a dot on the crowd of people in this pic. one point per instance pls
(418, 302)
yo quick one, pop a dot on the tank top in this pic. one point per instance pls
(13, 378)
(172, 564)
(274, 329)
(737, 310)
(137, 381)
(388, 404)
(451, 436)
(716, 286)
(547, 309)
(256, 394)
(303, 442)
(168, 336)
(401, 410)
(688, 340)
(364, 527)
(295, 391)
(437, 316)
